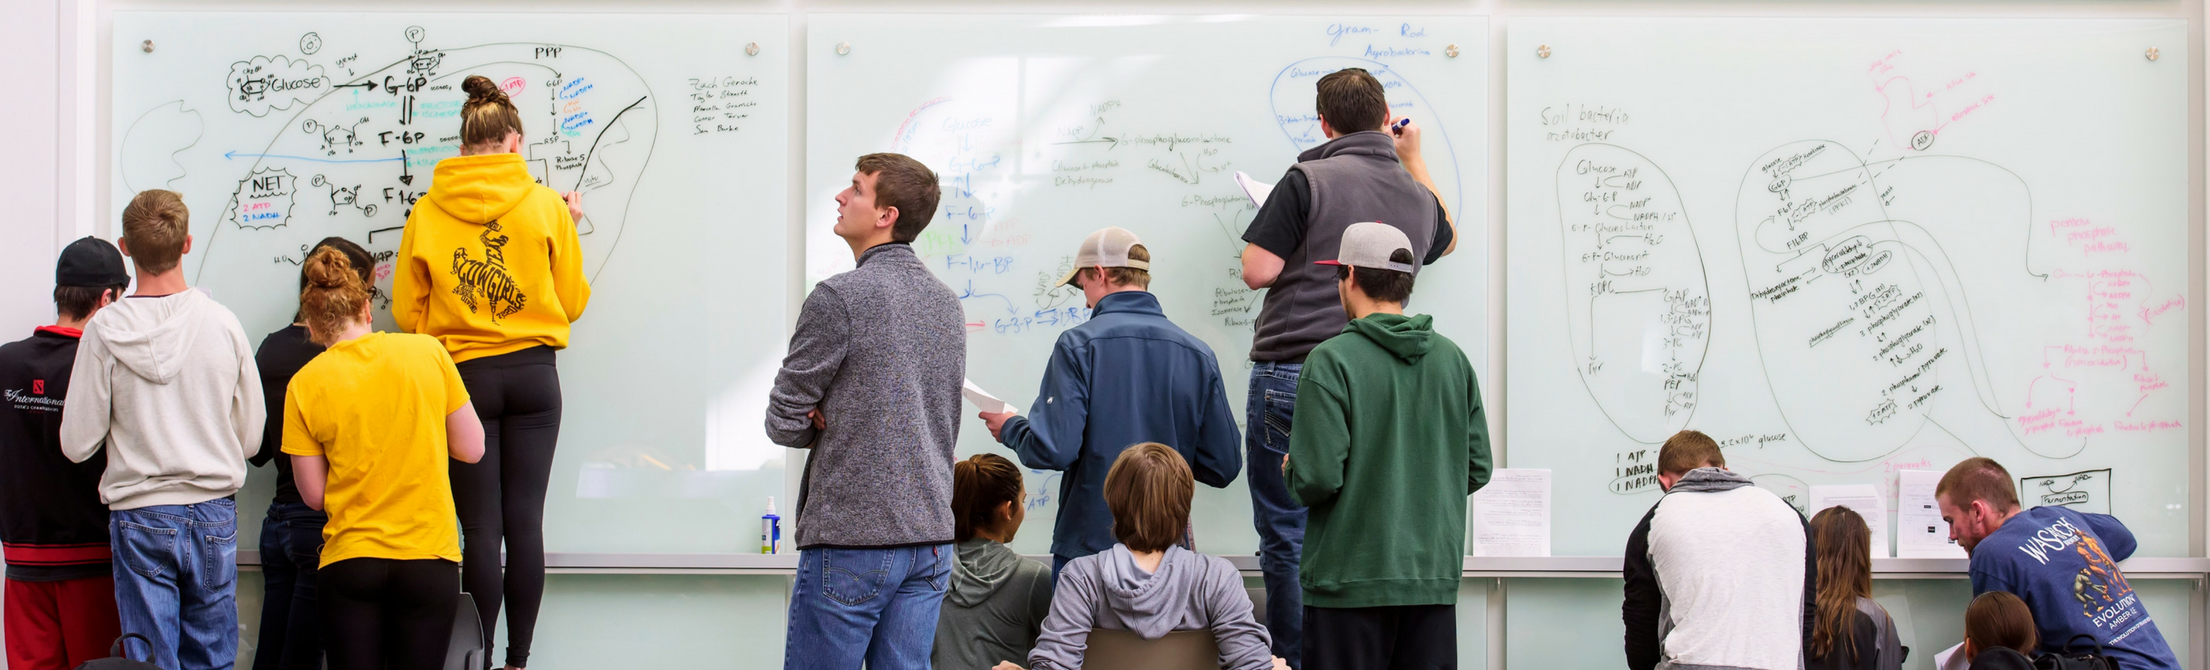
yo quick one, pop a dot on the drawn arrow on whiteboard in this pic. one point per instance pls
(363, 85)
(1114, 141)
(404, 177)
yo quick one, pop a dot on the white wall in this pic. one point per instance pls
(29, 43)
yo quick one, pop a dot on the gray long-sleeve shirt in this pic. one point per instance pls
(1189, 591)
(881, 351)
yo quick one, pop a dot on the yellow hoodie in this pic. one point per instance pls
(489, 263)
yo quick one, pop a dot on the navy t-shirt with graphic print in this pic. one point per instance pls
(2064, 564)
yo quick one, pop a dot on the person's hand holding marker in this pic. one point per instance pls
(1408, 139)
(575, 205)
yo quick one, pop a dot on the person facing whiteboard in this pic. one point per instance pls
(490, 266)
(1126, 376)
(371, 425)
(1370, 169)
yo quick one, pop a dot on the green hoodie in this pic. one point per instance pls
(1387, 441)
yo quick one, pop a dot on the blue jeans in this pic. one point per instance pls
(877, 605)
(176, 577)
(1279, 519)
(291, 548)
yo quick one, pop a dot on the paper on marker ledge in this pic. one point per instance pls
(1866, 501)
(983, 400)
(1511, 515)
(1254, 189)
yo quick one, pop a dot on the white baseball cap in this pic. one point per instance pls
(1108, 248)
(1369, 244)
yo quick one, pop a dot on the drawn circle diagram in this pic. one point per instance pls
(1638, 302)
(1860, 317)
(1291, 95)
(310, 43)
(368, 149)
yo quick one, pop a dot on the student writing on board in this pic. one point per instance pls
(1126, 376)
(1370, 169)
(872, 386)
(291, 533)
(491, 267)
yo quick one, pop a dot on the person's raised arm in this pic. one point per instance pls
(410, 282)
(1260, 267)
(817, 348)
(1219, 447)
(311, 475)
(464, 434)
(566, 249)
(1277, 230)
(1408, 153)
(1050, 437)
(88, 414)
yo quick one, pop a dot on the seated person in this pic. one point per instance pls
(997, 600)
(1146, 584)
(1851, 632)
(1999, 632)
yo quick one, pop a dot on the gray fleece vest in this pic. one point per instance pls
(1355, 177)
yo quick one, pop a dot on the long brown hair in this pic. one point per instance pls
(1148, 489)
(334, 295)
(1999, 619)
(488, 115)
(979, 485)
(1845, 574)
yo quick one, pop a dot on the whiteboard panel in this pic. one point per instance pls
(308, 125)
(1046, 128)
(1845, 248)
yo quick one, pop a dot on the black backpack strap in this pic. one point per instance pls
(122, 650)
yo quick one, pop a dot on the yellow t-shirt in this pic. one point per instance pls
(375, 406)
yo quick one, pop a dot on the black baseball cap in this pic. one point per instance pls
(90, 262)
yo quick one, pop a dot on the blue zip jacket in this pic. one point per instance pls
(1125, 377)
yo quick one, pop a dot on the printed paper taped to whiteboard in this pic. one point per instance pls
(1864, 499)
(1253, 188)
(1511, 515)
(1919, 530)
(983, 400)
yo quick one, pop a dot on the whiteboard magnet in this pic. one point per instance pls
(2152, 52)
(1451, 51)
(148, 46)
(752, 49)
(1543, 51)
(843, 48)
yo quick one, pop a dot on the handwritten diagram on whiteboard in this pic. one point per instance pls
(1045, 128)
(1872, 247)
(281, 130)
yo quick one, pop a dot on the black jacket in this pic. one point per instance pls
(281, 355)
(51, 518)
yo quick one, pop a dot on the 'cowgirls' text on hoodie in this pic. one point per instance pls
(490, 263)
(2064, 564)
(168, 385)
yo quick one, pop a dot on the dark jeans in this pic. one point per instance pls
(176, 582)
(384, 614)
(1407, 637)
(502, 497)
(291, 547)
(1279, 519)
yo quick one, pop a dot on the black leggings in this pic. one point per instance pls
(502, 497)
(383, 614)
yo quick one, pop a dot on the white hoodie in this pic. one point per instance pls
(169, 384)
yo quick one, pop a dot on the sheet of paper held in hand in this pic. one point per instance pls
(983, 400)
(1919, 530)
(1253, 189)
(1863, 499)
(1511, 515)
